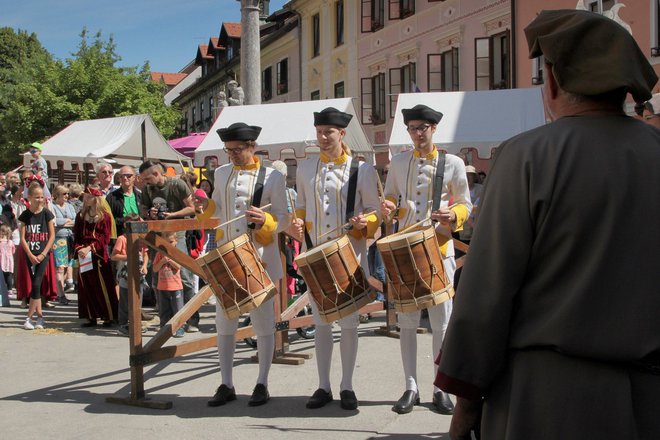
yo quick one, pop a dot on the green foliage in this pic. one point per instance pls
(40, 96)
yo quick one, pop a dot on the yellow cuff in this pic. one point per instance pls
(372, 225)
(391, 199)
(308, 227)
(264, 235)
(461, 216)
(358, 234)
(400, 213)
(300, 213)
(443, 241)
(208, 212)
(219, 235)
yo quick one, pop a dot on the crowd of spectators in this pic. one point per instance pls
(88, 252)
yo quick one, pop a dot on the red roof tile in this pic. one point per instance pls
(203, 51)
(233, 29)
(170, 79)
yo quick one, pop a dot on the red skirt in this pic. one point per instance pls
(97, 295)
(24, 283)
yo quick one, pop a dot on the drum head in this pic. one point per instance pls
(323, 249)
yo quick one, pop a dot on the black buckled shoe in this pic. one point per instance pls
(443, 403)
(259, 396)
(223, 395)
(319, 399)
(405, 404)
(348, 400)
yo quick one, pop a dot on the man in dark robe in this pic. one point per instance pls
(555, 332)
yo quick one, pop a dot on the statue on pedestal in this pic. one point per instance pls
(236, 93)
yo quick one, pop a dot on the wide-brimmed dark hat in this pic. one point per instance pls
(239, 131)
(332, 116)
(421, 112)
(590, 54)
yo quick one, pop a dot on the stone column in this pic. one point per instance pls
(250, 52)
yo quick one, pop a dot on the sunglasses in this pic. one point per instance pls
(126, 176)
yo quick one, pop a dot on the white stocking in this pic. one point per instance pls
(348, 347)
(408, 342)
(265, 350)
(323, 347)
(226, 348)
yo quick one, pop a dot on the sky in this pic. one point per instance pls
(166, 33)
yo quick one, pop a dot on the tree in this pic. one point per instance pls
(43, 96)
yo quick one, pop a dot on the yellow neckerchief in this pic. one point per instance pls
(429, 156)
(251, 166)
(337, 161)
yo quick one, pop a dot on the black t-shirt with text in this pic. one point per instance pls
(36, 229)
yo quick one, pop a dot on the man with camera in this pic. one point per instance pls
(165, 198)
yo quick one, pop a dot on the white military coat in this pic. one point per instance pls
(322, 186)
(410, 186)
(232, 195)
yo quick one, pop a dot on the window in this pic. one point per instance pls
(201, 110)
(315, 96)
(210, 107)
(482, 63)
(267, 84)
(601, 6)
(283, 77)
(537, 72)
(500, 61)
(339, 23)
(402, 80)
(373, 15)
(443, 71)
(230, 52)
(373, 99)
(339, 90)
(400, 9)
(192, 117)
(316, 35)
(492, 62)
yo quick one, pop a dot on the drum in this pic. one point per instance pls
(334, 279)
(236, 275)
(414, 269)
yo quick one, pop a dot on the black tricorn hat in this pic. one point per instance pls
(239, 131)
(421, 112)
(590, 54)
(332, 116)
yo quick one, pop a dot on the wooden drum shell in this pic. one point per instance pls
(237, 276)
(335, 280)
(414, 268)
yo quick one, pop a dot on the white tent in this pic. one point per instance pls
(480, 120)
(124, 140)
(286, 127)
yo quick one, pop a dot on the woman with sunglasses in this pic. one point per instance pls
(65, 217)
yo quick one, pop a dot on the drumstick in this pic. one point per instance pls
(345, 225)
(239, 217)
(381, 192)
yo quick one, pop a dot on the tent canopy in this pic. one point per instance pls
(480, 120)
(187, 144)
(117, 140)
(285, 126)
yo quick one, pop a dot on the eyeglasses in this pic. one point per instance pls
(126, 176)
(105, 172)
(234, 150)
(418, 129)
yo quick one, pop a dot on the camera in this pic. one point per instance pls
(160, 205)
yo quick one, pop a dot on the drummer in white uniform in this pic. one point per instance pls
(409, 194)
(321, 207)
(235, 195)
